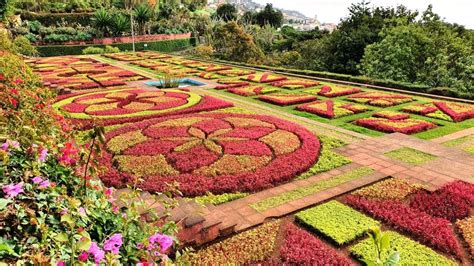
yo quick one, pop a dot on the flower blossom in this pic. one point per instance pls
(37, 179)
(13, 190)
(113, 243)
(164, 241)
(44, 184)
(42, 155)
(97, 252)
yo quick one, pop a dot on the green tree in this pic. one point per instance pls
(227, 12)
(120, 24)
(232, 43)
(269, 15)
(142, 15)
(102, 21)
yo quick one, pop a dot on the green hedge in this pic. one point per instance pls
(160, 46)
(51, 19)
(365, 80)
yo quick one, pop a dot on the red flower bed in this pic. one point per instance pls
(263, 78)
(227, 84)
(458, 112)
(381, 99)
(432, 231)
(335, 91)
(302, 248)
(406, 126)
(215, 153)
(441, 204)
(462, 189)
(205, 75)
(251, 90)
(295, 83)
(330, 109)
(421, 109)
(391, 115)
(235, 72)
(128, 105)
(287, 99)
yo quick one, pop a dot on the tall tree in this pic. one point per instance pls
(227, 12)
(269, 15)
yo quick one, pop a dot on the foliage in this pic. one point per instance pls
(466, 227)
(428, 52)
(441, 204)
(23, 46)
(410, 156)
(405, 126)
(393, 188)
(120, 25)
(287, 99)
(381, 241)
(210, 198)
(6, 8)
(433, 231)
(269, 16)
(233, 43)
(341, 223)
(252, 246)
(111, 49)
(411, 252)
(305, 191)
(303, 248)
(103, 21)
(226, 12)
(93, 50)
(142, 14)
(203, 51)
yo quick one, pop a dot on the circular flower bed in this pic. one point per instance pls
(132, 104)
(215, 153)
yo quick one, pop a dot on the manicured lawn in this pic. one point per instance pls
(410, 156)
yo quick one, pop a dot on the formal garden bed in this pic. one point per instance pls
(191, 143)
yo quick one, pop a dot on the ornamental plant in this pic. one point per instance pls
(381, 241)
(53, 209)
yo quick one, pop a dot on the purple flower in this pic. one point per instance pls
(37, 179)
(44, 184)
(113, 243)
(98, 253)
(13, 190)
(164, 241)
(10, 143)
(42, 155)
(4, 146)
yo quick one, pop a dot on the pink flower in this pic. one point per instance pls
(144, 263)
(13, 190)
(37, 179)
(98, 253)
(113, 243)
(14, 144)
(4, 146)
(164, 241)
(42, 155)
(84, 256)
(44, 184)
(68, 153)
(81, 211)
(61, 263)
(64, 211)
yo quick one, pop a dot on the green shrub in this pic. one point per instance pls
(93, 50)
(110, 49)
(411, 252)
(336, 221)
(23, 46)
(161, 46)
(219, 199)
(410, 156)
(51, 19)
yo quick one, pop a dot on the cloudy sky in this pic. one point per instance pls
(331, 11)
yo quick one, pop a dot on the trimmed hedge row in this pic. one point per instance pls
(51, 19)
(160, 46)
(420, 88)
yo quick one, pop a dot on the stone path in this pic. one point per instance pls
(204, 223)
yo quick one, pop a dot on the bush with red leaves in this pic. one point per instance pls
(432, 231)
(462, 189)
(302, 248)
(442, 204)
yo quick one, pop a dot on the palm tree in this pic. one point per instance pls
(102, 21)
(143, 14)
(120, 24)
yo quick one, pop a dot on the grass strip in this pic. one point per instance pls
(336, 221)
(302, 192)
(411, 252)
(410, 156)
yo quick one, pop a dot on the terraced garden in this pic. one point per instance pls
(278, 168)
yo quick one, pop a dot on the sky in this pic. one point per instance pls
(331, 11)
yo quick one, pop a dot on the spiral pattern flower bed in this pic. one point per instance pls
(215, 153)
(330, 109)
(381, 99)
(131, 104)
(287, 99)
